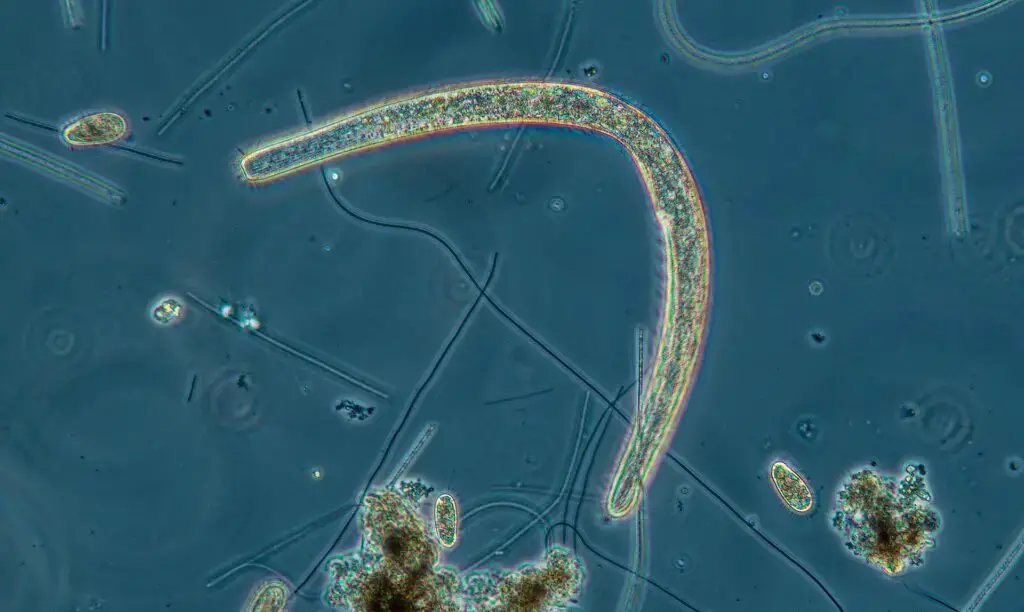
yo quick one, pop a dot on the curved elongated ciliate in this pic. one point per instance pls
(667, 179)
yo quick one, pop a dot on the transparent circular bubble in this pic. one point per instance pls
(232, 400)
(556, 204)
(766, 75)
(945, 418)
(860, 245)
(60, 342)
(815, 288)
(983, 79)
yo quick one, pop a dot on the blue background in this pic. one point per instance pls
(119, 491)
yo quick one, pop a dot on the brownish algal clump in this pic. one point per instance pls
(397, 570)
(540, 587)
(886, 521)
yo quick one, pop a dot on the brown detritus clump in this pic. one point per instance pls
(886, 521)
(389, 589)
(398, 570)
(527, 594)
(403, 547)
(539, 587)
(382, 593)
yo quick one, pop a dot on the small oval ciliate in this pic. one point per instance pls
(446, 520)
(269, 596)
(95, 130)
(791, 488)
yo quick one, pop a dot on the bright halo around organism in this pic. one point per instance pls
(667, 180)
(446, 520)
(167, 310)
(95, 130)
(269, 596)
(791, 488)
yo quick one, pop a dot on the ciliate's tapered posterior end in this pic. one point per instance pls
(623, 498)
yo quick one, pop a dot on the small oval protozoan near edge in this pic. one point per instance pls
(270, 596)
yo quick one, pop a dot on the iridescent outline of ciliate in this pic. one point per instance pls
(791, 487)
(446, 521)
(269, 596)
(668, 181)
(94, 130)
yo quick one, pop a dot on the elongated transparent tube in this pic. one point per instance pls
(810, 34)
(667, 179)
(57, 169)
